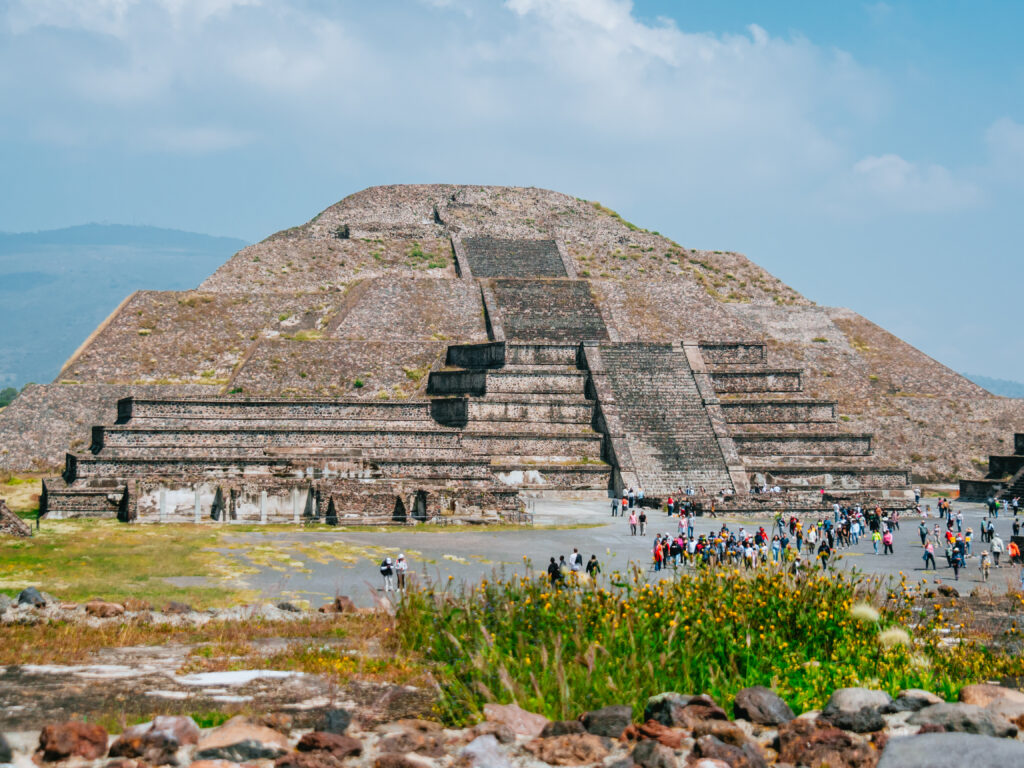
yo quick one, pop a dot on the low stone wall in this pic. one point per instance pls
(979, 490)
(766, 380)
(778, 411)
(1005, 465)
(803, 444)
(733, 352)
(837, 477)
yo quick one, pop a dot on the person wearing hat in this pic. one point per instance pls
(401, 567)
(387, 570)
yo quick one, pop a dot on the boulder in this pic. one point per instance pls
(177, 609)
(395, 760)
(413, 740)
(499, 731)
(804, 742)
(707, 762)
(748, 756)
(484, 752)
(653, 754)
(966, 718)
(337, 744)
(5, 604)
(723, 730)
(562, 727)
(676, 709)
(33, 597)
(134, 605)
(334, 721)
(211, 764)
(951, 750)
(240, 740)
(307, 760)
(288, 607)
(571, 749)
(607, 721)
(11, 524)
(521, 722)
(947, 591)
(762, 706)
(6, 753)
(101, 609)
(279, 721)
(857, 709)
(157, 742)
(913, 699)
(983, 694)
(652, 730)
(60, 741)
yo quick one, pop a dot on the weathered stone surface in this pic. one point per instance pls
(411, 740)
(951, 750)
(11, 524)
(281, 722)
(334, 721)
(5, 604)
(318, 759)
(723, 730)
(484, 752)
(240, 740)
(394, 760)
(653, 754)
(747, 756)
(676, 709)
(174, 607)
(6, 754)
(655, 731)
(499, 731)
(857, 709)
(339, 745)
(571, 749)
(607, 721)
(521, 722)
(967, 718)
(803, 742)
(213, 764)
(101, 609)
(157, 742)
(983, 694)
(562, 727)
(762, 706)
(912, 700)
(31, 596)
(72, 739)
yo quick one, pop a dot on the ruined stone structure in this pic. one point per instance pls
(1004, 479)
(423, 351)
(11, 524)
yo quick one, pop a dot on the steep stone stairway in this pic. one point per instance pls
(496, 257)
(558, 311)
(654, 411)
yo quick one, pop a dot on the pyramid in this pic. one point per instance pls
(431, 351)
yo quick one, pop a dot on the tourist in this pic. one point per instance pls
(959, 522)
(632, 522)
(957, 562)
(658, 553)
(984, 565)
(593, 567)
(823, 553)
(631, 496)
(1013, 552)
(923, 530)
(997, 549)
(387, 570)
(642, 519)
(929, 555)
(554, 573)
(401, 569)
(887, 542)
(875, 538)
(615, 506)
(576, 561)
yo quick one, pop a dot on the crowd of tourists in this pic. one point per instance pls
(559, 571)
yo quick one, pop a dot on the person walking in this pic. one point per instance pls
(401, 569)
(875, 538)
(997, 549)
(554, 573)
(929, 555)
(643, 522)
(615, 506)
(632, 522)
(984, 564)
(957, 562)
(923, 531)
(593, 567)
(887, 542)
(387, 570)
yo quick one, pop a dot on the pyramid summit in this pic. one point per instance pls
(426, 350)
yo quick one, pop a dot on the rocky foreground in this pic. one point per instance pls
(858, 727)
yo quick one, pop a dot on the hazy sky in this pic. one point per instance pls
(869, 154)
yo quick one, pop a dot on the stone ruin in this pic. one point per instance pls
(1004, 479)
(438, 352)
(11, 524)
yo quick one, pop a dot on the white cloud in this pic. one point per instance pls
(899, 185)
(1005, 140)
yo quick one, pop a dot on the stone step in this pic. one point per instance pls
(802, 444)
(771, 411)
(835, 476)
(501, 257)
(224, 408)
(548, 310)
(757, 381)
(733, 352)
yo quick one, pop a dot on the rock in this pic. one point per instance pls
(748, 756)
(156, 743)
(6, 753)
(607, 721)
(723, 730)
(571, 749)
(284, 605)
(521, 722)
(72, 739)
(101, 609)
(804, 742)
(395, 760)
(983, 694)
(11, 524)
(762, 706)
(134, 605)
(32, 596)
(672, 738)
(240, 740)
(484, 752)
(1013, 711)
(176, 608)
(562, 727)
(413, 740)
(341, 604)
(334, 721)
(707, 762)
(212, 764)
(947, 591)
(951, 750)
(5, 604)
(281, 722)
(653, 754)
(912, 700)
(500, 731)
(676, 709)
(857, 709)
(339, 745)
(308, 760)
(966, 718)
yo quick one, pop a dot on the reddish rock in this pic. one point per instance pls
(240, 740)
(654, 731)
(802, 742)
(134, 605)
(175, 607)
(72, 739)
(570, 749)
(984, 694)
(279, 721)
(421, 742)
(395, 760)
(101, 609)
(500, 731)
(747, 756)
(338, 745)
(214, 764)
(521, 722)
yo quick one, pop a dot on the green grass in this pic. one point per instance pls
(562, 652)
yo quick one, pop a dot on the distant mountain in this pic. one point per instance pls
(56, 286)
(1004, 387)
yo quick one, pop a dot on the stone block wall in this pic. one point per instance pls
(500, 257)
(548, 310)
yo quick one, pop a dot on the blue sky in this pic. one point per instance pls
(869, 154)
